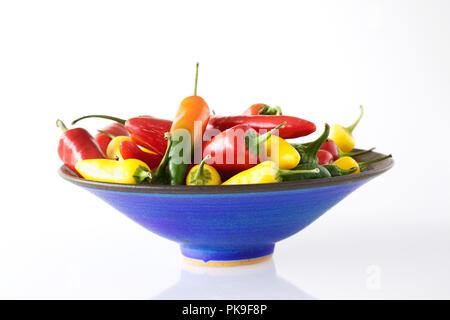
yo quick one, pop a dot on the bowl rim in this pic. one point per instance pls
(372, 171)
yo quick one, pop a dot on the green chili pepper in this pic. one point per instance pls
(308, 151)
(309, 161)
(322, 172)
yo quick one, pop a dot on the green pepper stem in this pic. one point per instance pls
(199, 172)
(160, 171)
(122, 121)
(348, 171)
(310, 151)
(196, 80)
(350, 128)
(293, 172)
(61, 125)
(253, 140)
(142, 175)
(353, 154)
(165, 158)
(107, 133)
(366, 163)
(263, 109)
(269, 111)
(278, 111)
(264, 137)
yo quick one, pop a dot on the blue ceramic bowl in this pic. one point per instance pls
(229, 225)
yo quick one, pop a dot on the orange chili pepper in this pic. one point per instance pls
(191, 109)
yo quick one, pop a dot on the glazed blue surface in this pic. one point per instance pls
(227, 226)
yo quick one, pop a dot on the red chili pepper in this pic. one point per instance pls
(236, 149)
(294, 127)
(77, 144)
(130, 150)
(116, 129)
(145, 131)
(324, 157)
(332, 148)
(261, 108)
(149, 132)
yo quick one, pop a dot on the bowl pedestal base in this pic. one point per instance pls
(230, 263)
(226, 257)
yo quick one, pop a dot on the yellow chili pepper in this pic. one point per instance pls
(283, 153)
(269, 172)
(343, 135)
(113, 149)
(265, 172)
(203, 175)
(131, 171)
(347, 163)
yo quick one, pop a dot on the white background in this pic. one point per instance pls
(316, 59)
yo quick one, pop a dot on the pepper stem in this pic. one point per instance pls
(263, 138)
(348, 171)
(278, 111)
(107, 133)
(159, 173)
(353, 154)
(263, 109)
(196, 80)
(367, 163)
(142, 175)
(122, 121)
(294, 172)
(252, 139)
(350, 128)
(61, 125)
(309, 154)
(199, 172)
(270, 111)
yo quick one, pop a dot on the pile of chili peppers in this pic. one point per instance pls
(145, 150)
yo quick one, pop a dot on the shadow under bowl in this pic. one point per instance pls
(229, 225)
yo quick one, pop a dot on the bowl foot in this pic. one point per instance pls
(229, 263)
(226, 257)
